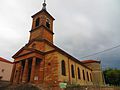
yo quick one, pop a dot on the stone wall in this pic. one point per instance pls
(51, 70)
(68, 77)
(97, 74)
(5, 71)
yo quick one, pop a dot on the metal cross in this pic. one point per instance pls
(44, 1)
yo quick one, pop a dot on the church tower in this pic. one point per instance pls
(30, 59)
(42, 26)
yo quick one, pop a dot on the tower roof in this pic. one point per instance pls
(43, 10)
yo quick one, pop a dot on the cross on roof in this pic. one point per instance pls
(44, 5)
(44, 1)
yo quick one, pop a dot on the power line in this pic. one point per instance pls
(102, 51)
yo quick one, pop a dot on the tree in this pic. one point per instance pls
(112, 76)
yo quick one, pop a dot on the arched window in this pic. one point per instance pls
(83, 74)
(63, 67)
(48, 23)
(87, 76)
(78, 73)
(37, 22)
(72, 71)
(91, 77)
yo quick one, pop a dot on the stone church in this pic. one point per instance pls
(42, 62)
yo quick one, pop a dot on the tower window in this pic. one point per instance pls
(72, 71)
(48, 23)
(37, 22)
(78, 73)
(83, 74)
(63, 67)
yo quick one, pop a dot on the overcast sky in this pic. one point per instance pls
(82, 27)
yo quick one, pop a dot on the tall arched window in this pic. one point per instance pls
(87, 76)
(63, 67)
(37, 22)
(83, 74)
(72, 71)
(78, 73)
(91, 77)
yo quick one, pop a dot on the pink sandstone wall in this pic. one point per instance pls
(5, 71)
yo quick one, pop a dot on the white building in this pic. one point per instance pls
(5, 69)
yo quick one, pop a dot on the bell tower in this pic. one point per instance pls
(31, 60)
(42, 25)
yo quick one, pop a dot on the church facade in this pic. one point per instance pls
(41, 62)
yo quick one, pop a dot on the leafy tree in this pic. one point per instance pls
(112, 76)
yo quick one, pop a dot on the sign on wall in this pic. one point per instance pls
(63, 85)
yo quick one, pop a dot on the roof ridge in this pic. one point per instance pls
(5, 60)
(90, 61)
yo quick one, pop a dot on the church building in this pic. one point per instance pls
(40, 61)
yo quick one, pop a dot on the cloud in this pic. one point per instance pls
(90, 27)
(82, 27)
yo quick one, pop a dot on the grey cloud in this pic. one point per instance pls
(82, 27)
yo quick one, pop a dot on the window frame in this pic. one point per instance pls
(37, 22)
(88, 76)
(48, 23)
(83, 71)
(63, 68)
(72, 71)
(79, 76)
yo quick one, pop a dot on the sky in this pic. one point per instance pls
(81, 27)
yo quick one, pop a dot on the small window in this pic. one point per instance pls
(2, 70)
(1, 77)
(37, 22)
(87, 76)
(48, 23)
(78, 73)
(83, 74)
(72, 71)
(63, 67)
